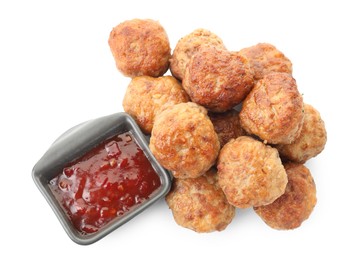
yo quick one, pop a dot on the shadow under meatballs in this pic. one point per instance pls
(243, 216)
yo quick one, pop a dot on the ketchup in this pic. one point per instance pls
(105, 183)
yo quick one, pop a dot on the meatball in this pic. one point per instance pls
(250, 173)
(184, 141)
(296, 204)
(264, 58)
(311, 140)
(146, 96)
(227, 125)
(140, 48)
(199, 204)
(217, 79)
(187, 46)
(273, 110)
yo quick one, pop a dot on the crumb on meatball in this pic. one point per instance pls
(296, 204)
(140, 48)
(227, 125)
(311, 140)
(250, 173)
(265, 58)
(217, 79)
(187, 46)
(184, 141)
(199, 204)
(273, 110)
(146, 96)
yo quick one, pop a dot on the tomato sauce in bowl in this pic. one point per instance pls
(107, 182)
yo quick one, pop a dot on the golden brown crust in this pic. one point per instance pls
(273, 110)
(146, 96)
(227, 125)
(250, 173)
(217, 79)
(184, 141)
(264, 58)
(187, 46)
(140, 48)
(199, 204)
(311, 140)
(296, 204)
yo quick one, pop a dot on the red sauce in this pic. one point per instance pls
(105, 183)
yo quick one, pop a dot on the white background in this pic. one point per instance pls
(56, 70)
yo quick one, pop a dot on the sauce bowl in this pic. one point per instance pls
(75, 143)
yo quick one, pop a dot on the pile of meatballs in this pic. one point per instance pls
(231, 126)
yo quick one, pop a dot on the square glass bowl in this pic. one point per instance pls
(75, 143)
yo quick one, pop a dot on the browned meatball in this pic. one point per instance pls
(296, 204)
(187, 46)
(265, 58)
(250, 173)
(146, 97)
(140, 48)
(184, 141)
(199, 204)
(217, 79)
(227, 125)
(311, 140)
(273, 110)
